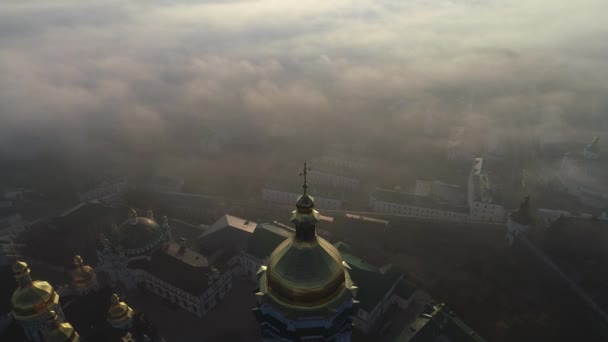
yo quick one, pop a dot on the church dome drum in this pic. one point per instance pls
(305, 273)
(139, 235)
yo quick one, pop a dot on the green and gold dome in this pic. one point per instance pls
(138, 235)
(305, 272)
(33, 299)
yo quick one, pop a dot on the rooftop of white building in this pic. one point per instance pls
(230, 221)
(408, 198)
(325, 191)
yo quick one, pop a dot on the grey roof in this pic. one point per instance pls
(229, 222)
(189, 275)
(265, 238)
(226, 237)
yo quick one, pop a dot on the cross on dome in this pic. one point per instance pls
(304, 173)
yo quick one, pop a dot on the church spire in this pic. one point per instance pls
(305, 216)
(304, 174)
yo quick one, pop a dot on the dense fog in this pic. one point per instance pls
(115, 85)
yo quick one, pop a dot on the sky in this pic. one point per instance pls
(139, 76)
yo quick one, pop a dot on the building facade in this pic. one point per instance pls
(481, 196)
(334, 177)
(411, 205)
(276, 194)
(141, 253)
(440, 201)
(346, 161)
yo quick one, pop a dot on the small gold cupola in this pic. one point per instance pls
(133, 216)
(83, 276)
(60, 332)
(120, 315)
(305, 217)
(33, 299)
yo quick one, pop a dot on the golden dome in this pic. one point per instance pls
(82, 275)
(305, 270)
(305, 273)
(119, 313)
(32, 298)
(60, 332)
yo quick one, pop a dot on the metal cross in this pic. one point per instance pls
(304, 173)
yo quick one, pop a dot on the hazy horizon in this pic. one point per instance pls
(152, 78)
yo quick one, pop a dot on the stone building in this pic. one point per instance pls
(141, 253)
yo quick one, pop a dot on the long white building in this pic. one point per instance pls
(325, 175)
(329, 198)
(437, 200)
(416, 206)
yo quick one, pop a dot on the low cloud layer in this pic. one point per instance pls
(144, 76)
